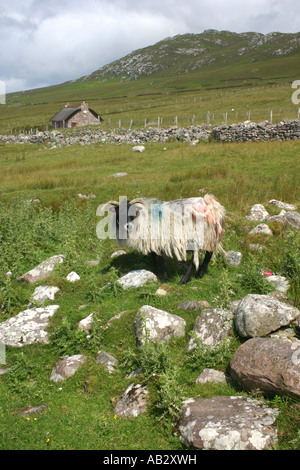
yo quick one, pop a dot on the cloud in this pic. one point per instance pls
(47, 43)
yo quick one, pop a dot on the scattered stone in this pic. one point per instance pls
(133, 402)
(255, 247)
(293, 219)
(73, 277)
(157, 325)
(261, 229)
(118, 253)
(271, 365)
(259, 315)
(227, 423)
(43, 270)
(115, 317)
(283, 205)
(258, 213)
(33, 410)
(93, 262)
(278, 218)
(234, 258)
(86, 323)
(136, 278)
(190, 305)
(161, 292)
(84, 196)
(280, 283)
(212, 327)
(66, 367)
(43, 293)
(118, 175)
(109, 362)
(138, 148)
(28, 327)
(211, 375)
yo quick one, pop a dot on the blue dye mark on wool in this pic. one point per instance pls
(156, 211)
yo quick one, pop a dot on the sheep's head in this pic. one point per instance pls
(125, 212)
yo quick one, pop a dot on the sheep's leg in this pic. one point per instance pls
(188, 274)
(160, 260)
(203, 267)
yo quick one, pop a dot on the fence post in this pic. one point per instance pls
(207, 119)
(271, 117)
(298, 115)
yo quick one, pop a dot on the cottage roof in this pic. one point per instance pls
(67, 112)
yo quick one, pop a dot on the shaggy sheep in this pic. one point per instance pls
(171, 229)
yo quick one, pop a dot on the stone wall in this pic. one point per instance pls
(251, 132)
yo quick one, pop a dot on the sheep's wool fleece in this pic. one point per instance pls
(177, 227)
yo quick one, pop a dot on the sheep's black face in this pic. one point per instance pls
(125, 214)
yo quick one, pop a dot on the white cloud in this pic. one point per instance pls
(46, 42)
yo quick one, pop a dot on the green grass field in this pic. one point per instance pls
(79, 412)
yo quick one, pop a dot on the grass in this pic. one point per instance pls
(79, 412)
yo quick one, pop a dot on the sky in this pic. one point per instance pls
(47, 42)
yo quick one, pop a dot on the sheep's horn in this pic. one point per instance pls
(137, 201)
(112, 203)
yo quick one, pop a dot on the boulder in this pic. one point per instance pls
(293, 219)
(259, 315)
(43, 270)
(138, 148)
(234, 258)
(73, 277)
(107, 361)
(211, 375)
(212, 327)
(258, 213)
(190, 305)
(261, 229)
(86, 323)
(157, 325)
(283, 205)
(133, 402)
(280, 283)
(271, 365)
(43, 293)
(66, 367)
(28, 327)
(136, 278)
(227, 423)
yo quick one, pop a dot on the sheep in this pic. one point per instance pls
(171, 229)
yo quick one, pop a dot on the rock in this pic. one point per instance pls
(109, 362)
(28, 327)
(33, 410)
(138, 148)
(73, 277)
(190, 305)
(283, 205)
(66, 367)
(136, 278)
(258, 213)
(118, 253)
(280, 283)
(157, 325)
(93, 262)
(271, 365)
(261, 229)
(293, 219)
(161, 292)
(234, 258)
(133, 402)
(278, 218)
(43, 270)
(211, 375)
(259, 315)
(43, 293)
(227, 423)
(86, 323)
(118, 175)
(212, 327)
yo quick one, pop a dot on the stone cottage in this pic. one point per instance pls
(73, 116)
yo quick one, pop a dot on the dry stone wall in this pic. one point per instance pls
(252, 132)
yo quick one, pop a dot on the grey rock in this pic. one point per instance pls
(258, 213)
(234, 258)
(133, 402)
(66, 367)
(261, 229)
(73, 277)
(157, 325)
(259, 315)
(190, 305)
(28, 327)
(107, 360)
(211, 375)
(227, 423)
(118, 253)
(136, 278)
(43, 293)
(118, 175)
(138, 148)
(43, 270)
(293, 219)
(283, 205)
(271, 365)
(85, 324)
(212, 327)
(280, 283)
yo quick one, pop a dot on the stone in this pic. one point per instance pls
(280, 283)
(133, 402)
(107, 360)
(293, 219)
(118, 253)
(212, 327)
(211, 375)
(136, 278)
(258, 315)
(234, 258)
(157, 325)
(258, 213)
(33, 410)
(190, 305)
(28, 327)
(283, 205)
(227, 423)
(43, 270)
(161, 292)
(138, 148)
(261, 229)
(73, 277)
(43, 293)
(85, 324)
(66, 367)
(271, 365)
(118, 175)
